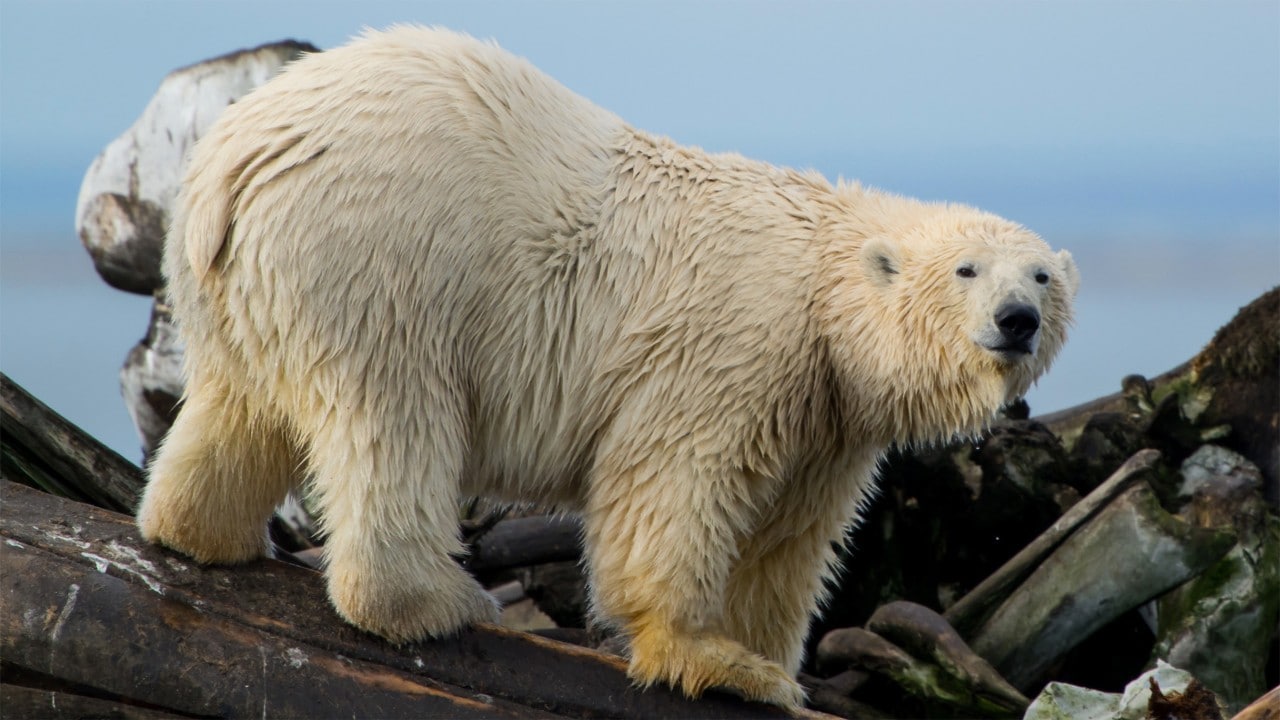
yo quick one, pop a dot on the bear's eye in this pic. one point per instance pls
(1042, 277)
(966, 271)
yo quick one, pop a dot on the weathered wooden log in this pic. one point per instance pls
(64, 617)
(151, 378)
(1129, 553)
(43, 447)
(916, 649)
(126, 200)
(831, 695)
(927, 635)
(20, 701)
(79, 586)
(971, 610)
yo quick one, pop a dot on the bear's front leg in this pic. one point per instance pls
(661, 541)
(775, 588)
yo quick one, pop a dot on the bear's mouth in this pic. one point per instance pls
(1011, 352)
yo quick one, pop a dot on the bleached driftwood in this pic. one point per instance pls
(126, 200)
(127, 194)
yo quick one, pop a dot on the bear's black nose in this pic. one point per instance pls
(1018, 323)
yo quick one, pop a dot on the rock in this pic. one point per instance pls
(1059, 701)
(1221, 625)
(1228, 387)
(1241, 367)
(1129, 553)
(1108, 438)
(1213, 466)
(1023, 467)
(128, 191)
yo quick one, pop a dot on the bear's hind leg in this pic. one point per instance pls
(388, 499)
(217, 478)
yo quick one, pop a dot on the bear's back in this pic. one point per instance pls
(400, 123)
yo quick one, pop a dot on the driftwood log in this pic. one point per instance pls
(974, 607)
(49, 452)
(94, 612)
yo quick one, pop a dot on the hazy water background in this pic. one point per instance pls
(1141, 136)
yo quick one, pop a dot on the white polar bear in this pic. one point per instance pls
(415, 268)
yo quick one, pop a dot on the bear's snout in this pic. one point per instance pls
(1018, 323)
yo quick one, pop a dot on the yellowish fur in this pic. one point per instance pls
(416, 268)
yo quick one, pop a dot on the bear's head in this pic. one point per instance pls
(942, 314)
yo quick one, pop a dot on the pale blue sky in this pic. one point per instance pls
(1143, 136)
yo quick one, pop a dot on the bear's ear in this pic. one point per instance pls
(881, 260)
(1070, 274)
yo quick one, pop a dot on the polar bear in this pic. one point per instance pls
(415, 269)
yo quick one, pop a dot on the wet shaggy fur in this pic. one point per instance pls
(415, 269)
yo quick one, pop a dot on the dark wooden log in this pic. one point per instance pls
(517, 542)
(86, 600)
(20, 701)
(831, 695)
(65, 617)
(44, 448)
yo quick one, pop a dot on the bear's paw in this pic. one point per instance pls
(434, 606)
(206, 537)
(695, 662)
